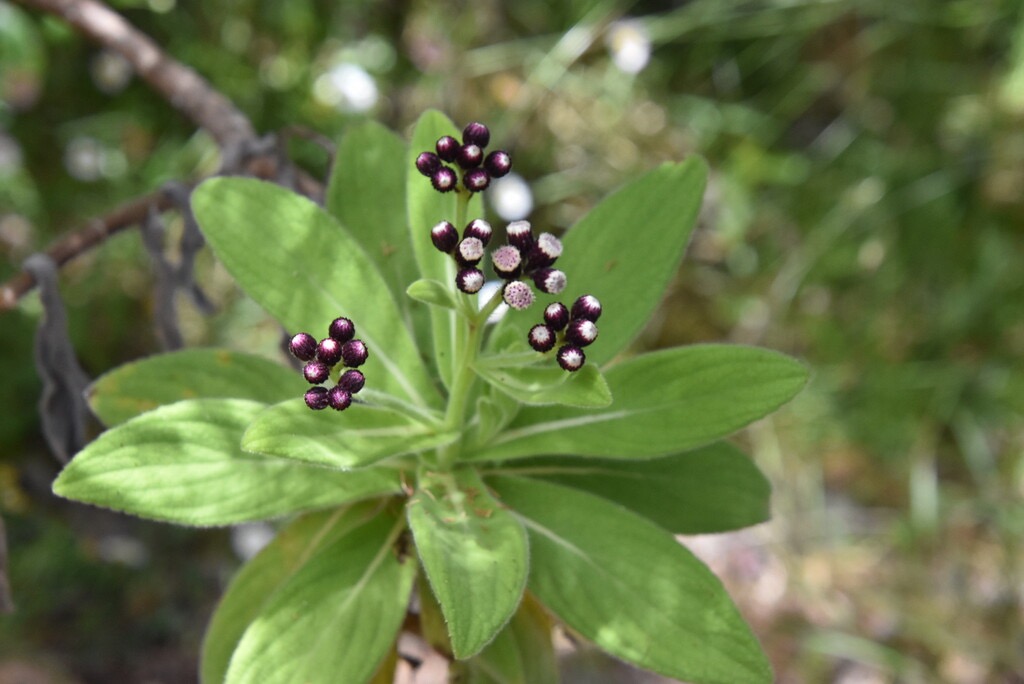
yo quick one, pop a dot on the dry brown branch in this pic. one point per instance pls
(181, 86)
(83, 239)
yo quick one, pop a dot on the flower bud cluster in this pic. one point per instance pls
(573, 329)
(523, 257)
(466, 159)
(340, 346)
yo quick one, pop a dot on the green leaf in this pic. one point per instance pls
(182, 463)
(336, 617)
(142, 385)
(664, 402)
(273, 567)
(626, 250)
(426, 208)
(433, 293)
(354, 438)
(544, 385)
(631, 588)
(366, 193)
(711, 489)
(474, 553)
(297, 262)
(521, 654)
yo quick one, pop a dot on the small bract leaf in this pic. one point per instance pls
(539, 385)
(711, 489)
(336, 617)
(474, 553)
(305, 269)
(664, 402)
(354, 438)
(257, 582)
(631, 588)
(521, 654)
(182, 463)
(143, 385)
(433, 293)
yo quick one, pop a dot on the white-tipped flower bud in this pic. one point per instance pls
(520, 235)
(469, 280)
(518, 295)
(470, 251)
(545, 251)
(541, 338)
(581, 332)
(507, 262)
(587, 307)
(479, 229)
(571, 358)
(549, 280)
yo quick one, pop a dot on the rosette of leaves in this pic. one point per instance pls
(505, 492)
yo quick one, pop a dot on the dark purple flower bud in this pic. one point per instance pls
(479, 229)
(520, 235)
(342, 329)
(549, 280)
(581, 332)
(352, 381)
(476, 180)
(316, 372)
(328, 351)
(476, 134)
(444, 179)
(316, 398)
(518, 295)
(470, 156)
(428, 163)
(444, 236)
(447, 148)
(541, 338)
(302, 346)
(556, 316)
(354, 353)
(507, 262)
(545, 251)
(586, 307)
(469, 280)
(469, 252)
(571, 358)
(498, 163)
(339, 399)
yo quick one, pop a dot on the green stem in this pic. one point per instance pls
(466, 353)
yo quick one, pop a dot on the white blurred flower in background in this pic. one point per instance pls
(347, 86)
(110, 72)
(511, 197)
(630, 46)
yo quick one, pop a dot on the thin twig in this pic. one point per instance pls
(84, 239)
(181, 86)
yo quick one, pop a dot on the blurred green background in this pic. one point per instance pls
(865, 212)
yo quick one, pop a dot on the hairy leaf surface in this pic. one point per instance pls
(143, 385)
(297, 261)
(663, 402)
(336, 617)
(474, 553)
(631, 588)
(354, 438)
(711, 489)
(182, 463)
